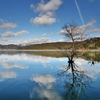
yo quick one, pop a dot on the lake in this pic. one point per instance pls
(49, 75)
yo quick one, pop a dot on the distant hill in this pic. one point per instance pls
(92, 43)
(11, 46)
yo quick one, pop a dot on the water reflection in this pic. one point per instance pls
(45, 89)
(32, 77)
(4, 75)
(9, 65)
(76, 80)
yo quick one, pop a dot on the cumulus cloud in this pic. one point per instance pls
(43, 20)
(46, 12)
(8, 25)
(52, 5)
(12, 34)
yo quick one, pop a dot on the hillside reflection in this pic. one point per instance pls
(76, 81)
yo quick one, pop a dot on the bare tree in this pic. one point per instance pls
(73, 32)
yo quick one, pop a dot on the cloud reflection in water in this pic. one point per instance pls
(46, 88)
(4, 75)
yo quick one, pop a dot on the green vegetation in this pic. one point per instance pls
(46, 53)
(89, 44)
(90, 56)
(48, 46)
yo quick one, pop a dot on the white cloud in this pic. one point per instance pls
(7, 75)
(34, 41)
(3, 39)
(27, 42)
(94, 30)
(90, 27)
(9, 34)
(51, 14)
(44, 79)
(43, 20)
(7, 25)
(44, 34)
(89, 24)
(52, 5)
(46, 12)
(61, 40)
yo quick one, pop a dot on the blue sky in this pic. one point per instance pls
(39, 21)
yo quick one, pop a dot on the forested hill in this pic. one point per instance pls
(93, 43)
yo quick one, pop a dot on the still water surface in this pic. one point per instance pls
(26, 76)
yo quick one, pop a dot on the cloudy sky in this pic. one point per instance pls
(39, 21)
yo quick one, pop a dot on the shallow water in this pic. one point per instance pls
(35, 77)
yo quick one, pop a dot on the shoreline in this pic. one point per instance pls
(43, 50)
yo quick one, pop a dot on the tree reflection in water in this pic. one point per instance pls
(75, 80)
